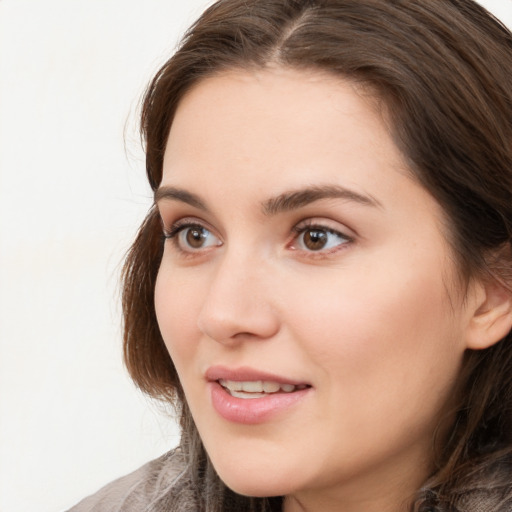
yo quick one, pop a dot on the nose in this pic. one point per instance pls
(239, 303)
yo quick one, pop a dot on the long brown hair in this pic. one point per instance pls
(442, 71)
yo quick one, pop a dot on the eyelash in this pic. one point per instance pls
(179, 227)
(308, 225)
(299, 229)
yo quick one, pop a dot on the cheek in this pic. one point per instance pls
(177, 303)
(380, 337)
(391, 300)
(386, 358)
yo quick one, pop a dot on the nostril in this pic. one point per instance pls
(236, 322)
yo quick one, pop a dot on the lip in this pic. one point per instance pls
(251, 411)
(245, 373)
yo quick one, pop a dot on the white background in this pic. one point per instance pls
(72, 193)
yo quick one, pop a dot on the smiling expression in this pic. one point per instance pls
(307, 294)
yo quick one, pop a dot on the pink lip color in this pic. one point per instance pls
(245, 373)
(250, 411)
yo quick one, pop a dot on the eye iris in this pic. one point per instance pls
(315, 239)
(195, 237)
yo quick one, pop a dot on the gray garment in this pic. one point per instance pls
(153, 488)
(137, 491)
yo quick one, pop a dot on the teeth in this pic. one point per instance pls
(270, 387)
(232, 385)
(253, 387)
(257, 388)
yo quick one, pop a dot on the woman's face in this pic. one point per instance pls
(307, 294)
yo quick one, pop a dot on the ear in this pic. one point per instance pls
(492, 314)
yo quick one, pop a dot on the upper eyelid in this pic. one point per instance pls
(184, 222)
(302, 224)
(176, 228)
(297, 229)
(327, 224)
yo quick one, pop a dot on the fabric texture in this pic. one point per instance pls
(137, 491)
(158, 486)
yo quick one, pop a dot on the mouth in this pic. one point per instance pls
(251, 389)
(249, 396)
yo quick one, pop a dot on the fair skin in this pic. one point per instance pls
(353, 295)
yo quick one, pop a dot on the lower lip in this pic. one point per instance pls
(251, 411)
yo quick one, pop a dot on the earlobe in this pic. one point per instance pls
(492, 317)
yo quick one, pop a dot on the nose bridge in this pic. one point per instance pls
(239, 299)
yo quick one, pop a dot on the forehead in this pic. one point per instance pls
(274, 119)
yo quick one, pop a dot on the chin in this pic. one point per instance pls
(254, 483)
(255, 489)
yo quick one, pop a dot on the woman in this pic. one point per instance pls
(323, 287)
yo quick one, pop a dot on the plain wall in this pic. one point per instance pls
(72, 193)
(71, 198)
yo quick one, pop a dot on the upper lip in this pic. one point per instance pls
(245, 374)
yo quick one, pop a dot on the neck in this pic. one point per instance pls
(386, 489)
(326, 503)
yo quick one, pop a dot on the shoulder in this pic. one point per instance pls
(137, 490)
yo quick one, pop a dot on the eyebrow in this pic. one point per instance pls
(287, 201)
(178, 194)
(296, 199)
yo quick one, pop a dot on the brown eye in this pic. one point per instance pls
(314, 239)
(195, 238)
(319, 238)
